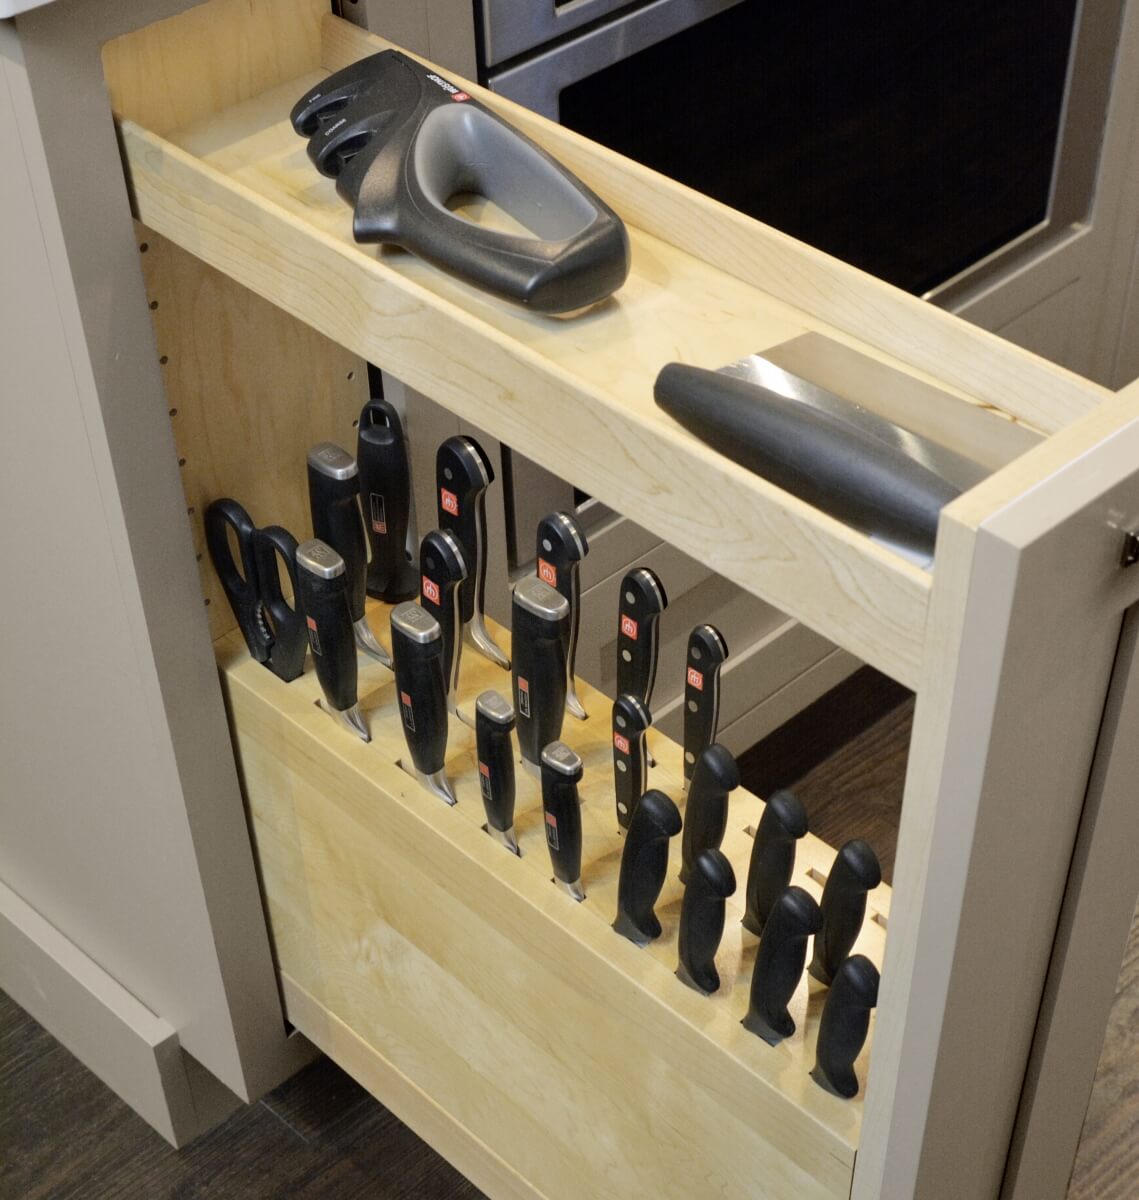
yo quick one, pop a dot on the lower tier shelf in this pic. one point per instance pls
(511, 1027)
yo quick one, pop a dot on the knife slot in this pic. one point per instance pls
(879, 918)
(817, 876)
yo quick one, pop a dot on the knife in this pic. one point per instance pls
(417, 651)
(334, 490)
(783, 823)
(855, 872)
(644, 865)
(443, 568)
(322, 593)
(540, 629)
(561, 773)
(706, 813)
(631, 719)
(779, 964)
(561, 547)
(642, 601)
(844, 1025)
(385, 496)
(494, 721)
(710, 882)
(462, 475)
(707, 651)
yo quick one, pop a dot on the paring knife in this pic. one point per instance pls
(540, 629)
(710, 882)
(385, 496)
(334, 490)
(631, 719)
(783, 823)
(462, 475)
(706, 813)
(443, 568)
(561, 547)
(844, 1025)
(779, 964)
(644, 865)
(561, 773)
(494, 723)
(417, 648)
(322, 592)
(707, 651)
(855, 872)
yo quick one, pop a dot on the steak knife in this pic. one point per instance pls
(706, 813)
(710, 882)
(855, 872)
(783, 823)
(561, 547)
(779, 964)
(644, 864)
(844, 1025)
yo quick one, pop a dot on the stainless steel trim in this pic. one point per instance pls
(540, 599)
(415, 623)
(332, 460)
(319, 559)
(561, 758)
(494, 706)
(366, 641)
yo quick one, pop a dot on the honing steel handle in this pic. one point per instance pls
(644, 865)
(783, 823)
(710, 883)
(540, 627)
(706, 813)
(779, 964)
(844, 1024)
(855, 872)
(385, 496)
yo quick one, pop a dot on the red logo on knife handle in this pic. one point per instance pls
(430, 590)
(547, 573)
(628, 627)
(449, 502)
(621, 743)
(696, 679)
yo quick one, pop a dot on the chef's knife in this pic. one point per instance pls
(322, 592)
(462, 475)
(631, 719)
(334, 491)
(644, 864)
(855, 872)
(443, 568)
(783, 823)
(385, 496)
(710, 882)
(417, 651)
(844, 1025)
(561, 773)
(707, 651)
(540, 629)
(561, 547)
(779, 964)
(706, 813)
(494, 722)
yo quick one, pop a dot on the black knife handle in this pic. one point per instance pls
(442, 568)
(779, 964)
(540, 629)
(710, 883)
(417, 659)
(707, 651)
(334, 491)
(641, 602)
(783, 823)
(706, 813)
(561, 773)
(462, 474)
(494, 723)
(322, 592)
(385, 496)
(644, 865)
(631, 718)
(239, 585)
(844, 1025)
(290, 640)
(562, 545)
(855, 872)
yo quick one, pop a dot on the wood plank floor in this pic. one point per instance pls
(65, 1136)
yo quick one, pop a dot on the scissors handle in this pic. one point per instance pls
(287, 623)
(241, 585)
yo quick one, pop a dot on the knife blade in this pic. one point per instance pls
(540, 629)
(462, 475)
(783, 823)
(706, 813)
(385, 496)
(844, 1025)
(856, 871)
(443, 568)
(562, 546)
(644, 865)
(710, 883)
(779, 964)
(631, 719)
(561, 773)
(322, 591)
(494, 722)
(706, 653)
(417, 651)
(334, 491)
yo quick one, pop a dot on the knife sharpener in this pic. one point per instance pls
(385, 496)
(779, 964)
(707, 651)
(540, 631)
(855, 872)
(783, 823)
(417, 650)
(561, 809)
(494, 723)
(844, 1025)
(644, 865)
(334, 501)
(401, 141)
(710, 882)
(706, 813)
(631, 720)
(322, 592)
(562, 545)
(443, 569)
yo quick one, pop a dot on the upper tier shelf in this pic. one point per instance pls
(708, 286)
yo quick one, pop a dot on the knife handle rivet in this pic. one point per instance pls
(692, 706)
(622, 807)
(630, 598)
(621, 722)
(626, 656)
(547, 545)
(689, 757)
(621, 765)
(697, 654)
